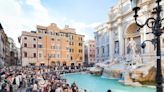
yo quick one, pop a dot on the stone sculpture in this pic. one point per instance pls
(133, 57)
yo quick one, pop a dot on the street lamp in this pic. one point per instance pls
(154, 23)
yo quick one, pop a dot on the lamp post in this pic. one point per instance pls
(155, 24)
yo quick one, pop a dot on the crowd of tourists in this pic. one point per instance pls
(37, 79)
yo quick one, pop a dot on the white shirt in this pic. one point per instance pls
(35, 87)
(58, 89)
(17, 80)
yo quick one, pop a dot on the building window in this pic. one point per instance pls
(34, 55)
(39, 46)
(25, 54)
(103, 49)
(80, 44)
(81, 58)
(39, 37)
(51, 33)
(25, 38)
(66, 35)
(25, 44)
(68, 56)
(52, 47)
(97, 50)
(34, 39)
(80, 51)
(108, 50)
(54, 55)
(40, 55)
(116, 47)
(52, 39)
(58, 55)
(34, 45)
(71, 57)
(46, 32)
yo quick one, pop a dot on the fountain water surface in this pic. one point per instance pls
(98, 84)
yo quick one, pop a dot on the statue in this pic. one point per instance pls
(132, 47)
(133, 57)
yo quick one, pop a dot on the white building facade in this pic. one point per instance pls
(120, 28)
(102, 47)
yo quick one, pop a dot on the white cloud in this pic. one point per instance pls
(9, 7)
(15, 20)
(85, 29)
(40, 12)
(10, 12)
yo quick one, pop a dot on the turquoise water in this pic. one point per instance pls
(97, 84)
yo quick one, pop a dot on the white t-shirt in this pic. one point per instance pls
(17, 80)
(35, 87)
(58, 89)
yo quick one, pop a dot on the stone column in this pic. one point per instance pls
(111, 44)
(120, 38)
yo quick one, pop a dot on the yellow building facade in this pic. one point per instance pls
(57, 46)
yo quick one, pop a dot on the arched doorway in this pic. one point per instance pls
(132, 33)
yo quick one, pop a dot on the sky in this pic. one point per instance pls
(23, 15)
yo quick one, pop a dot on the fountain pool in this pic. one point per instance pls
(98, 84)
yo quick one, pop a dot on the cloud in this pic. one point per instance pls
(13, 5)
(40, 12)
(85, 29)
(15, 19)
(10, 17)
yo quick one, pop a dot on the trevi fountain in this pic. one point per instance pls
(129, 70)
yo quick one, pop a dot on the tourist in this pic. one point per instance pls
(74, 87)
(67, 88)
(59, 88)
(109, 90)
(35, 79)
(35, 87)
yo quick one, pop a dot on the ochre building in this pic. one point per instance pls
(52, 46)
